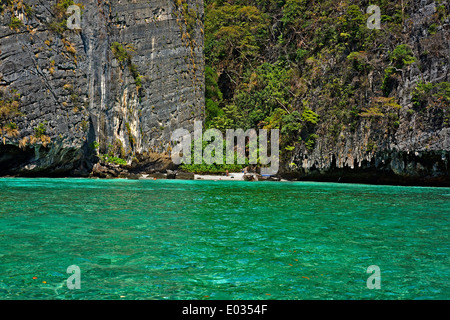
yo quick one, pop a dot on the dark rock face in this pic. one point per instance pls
(94, 99)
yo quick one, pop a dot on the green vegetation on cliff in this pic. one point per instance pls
(301, 65)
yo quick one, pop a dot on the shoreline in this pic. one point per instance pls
(231, 177)
(237, 177)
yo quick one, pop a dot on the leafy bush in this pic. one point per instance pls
(59, 23)
(15, 23)
(233, 32)
(120, 53)
(432, 95)
(94, 145)
(311, 142)
(123, 55)
(310, 116)
(402, 56)
(113, 160)
(266, 91)
(213, 96)
(293, 10)
(389, 80)
(358, 60)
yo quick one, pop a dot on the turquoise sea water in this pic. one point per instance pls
(221, 240)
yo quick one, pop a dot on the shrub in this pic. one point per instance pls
(59, 24)
(120, 53)
(114, 160)
(433, 28)
(15, 23)
(292, 10)
(95, 145)
(310, 116)
(123, 55)
(390, 80)
(358, 60)
(61, 7)
(402, 56)
(311, 142)
(431, 94)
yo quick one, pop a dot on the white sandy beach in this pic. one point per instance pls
(231, 177)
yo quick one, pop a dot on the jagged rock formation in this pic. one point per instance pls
(116, 89)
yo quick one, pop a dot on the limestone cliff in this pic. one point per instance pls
(401, 136)
(114, 90)
(353, 104)
(355, 101)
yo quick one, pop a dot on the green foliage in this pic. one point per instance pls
(29, 11)
(123, 54)
(311, 141)
(40, 131)
(138, 81)
(301, 54)
(289, 148)
(11, 126)
(213, 96)
(358, 60)
(116, 150)
(9, 105)
(61, 6)
(266, 91)
(371, 147)
(85, 125)
(115, 154)
(15, 23)
(432, 29)
(310, 116)
(120, 53)
(212, 168)
(189, 16)
(211, 86)
(233, 32)
(402, 56)
(354, 25)
(113, 160)
(131, 138)
(58, 27)
(442, 12)
(431, 95)
(229, 117)
(9, 109)
(291, 125)
(59, 23)
(388, 80)
(293, 10)
(95, 145)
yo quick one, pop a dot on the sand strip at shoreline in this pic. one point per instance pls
(231, 177)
